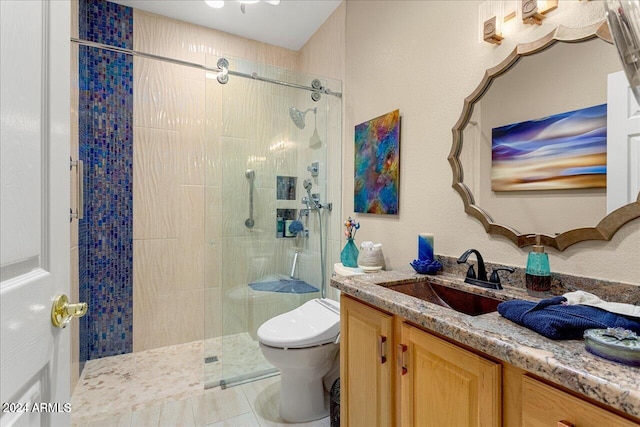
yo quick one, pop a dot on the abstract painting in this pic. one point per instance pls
(565, 151)
(377, 165)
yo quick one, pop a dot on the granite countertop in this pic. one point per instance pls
(566, 363)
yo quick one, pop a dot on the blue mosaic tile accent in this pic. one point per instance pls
(105, 235)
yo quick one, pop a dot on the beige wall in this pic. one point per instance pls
(424, 57)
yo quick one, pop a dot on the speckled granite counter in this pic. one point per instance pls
(566, 363)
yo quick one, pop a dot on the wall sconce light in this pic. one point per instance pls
(493, 14)
(534, 11)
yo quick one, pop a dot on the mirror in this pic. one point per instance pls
(565, 71)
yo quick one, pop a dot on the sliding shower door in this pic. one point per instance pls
(265, 251)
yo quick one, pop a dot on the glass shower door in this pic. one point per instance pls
(257, 265)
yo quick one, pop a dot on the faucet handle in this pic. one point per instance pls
(471, 272)
(495, 278)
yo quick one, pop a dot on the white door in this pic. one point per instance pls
(34, 210)
(623, 143)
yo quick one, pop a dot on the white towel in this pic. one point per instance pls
(585, 298)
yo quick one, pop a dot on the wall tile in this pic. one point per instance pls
(156, 97)
(213, 132)
(213, 233)
(155, 190)
(192, 113)
(156, 267)
(191, 237)
(213, 313)
(168, 319)
(168, 37)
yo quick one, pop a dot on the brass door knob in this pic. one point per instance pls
(62, 311)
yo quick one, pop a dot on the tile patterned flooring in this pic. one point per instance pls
(165, 387)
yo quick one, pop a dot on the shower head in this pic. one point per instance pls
(298, 116)
(307, 184)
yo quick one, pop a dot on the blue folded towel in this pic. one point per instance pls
(286, 286)
(554, 320)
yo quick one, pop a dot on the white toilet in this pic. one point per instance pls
(303, 344)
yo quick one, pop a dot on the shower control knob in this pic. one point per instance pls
(314, 168)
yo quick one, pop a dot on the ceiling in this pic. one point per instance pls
(288, 25)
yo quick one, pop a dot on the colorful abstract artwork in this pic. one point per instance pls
(377, 165)
(561, 152)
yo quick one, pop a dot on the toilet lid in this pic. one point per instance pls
(314, 323)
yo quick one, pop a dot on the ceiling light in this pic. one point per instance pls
(216, 4)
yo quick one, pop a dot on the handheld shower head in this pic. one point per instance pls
(298, 116)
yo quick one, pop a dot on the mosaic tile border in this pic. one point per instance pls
(106, 147)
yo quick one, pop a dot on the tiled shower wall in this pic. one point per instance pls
(215, 139)
(181, 235)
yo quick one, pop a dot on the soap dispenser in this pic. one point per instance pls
(538, 274)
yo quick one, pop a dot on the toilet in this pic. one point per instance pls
(303, 344)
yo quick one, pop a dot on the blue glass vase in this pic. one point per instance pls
(349, 254)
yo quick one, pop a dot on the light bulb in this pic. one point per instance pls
(216, 4)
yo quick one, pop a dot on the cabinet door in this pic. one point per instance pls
(445, 385)
(546, 406)
(365, 365)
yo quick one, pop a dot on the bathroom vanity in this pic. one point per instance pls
(407, 361)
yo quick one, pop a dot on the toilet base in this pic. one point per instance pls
(302, 391)
(301, 407)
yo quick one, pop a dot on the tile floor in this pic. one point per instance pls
(252, 404)
(165, 387)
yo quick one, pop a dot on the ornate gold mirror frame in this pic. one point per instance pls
(608, 226)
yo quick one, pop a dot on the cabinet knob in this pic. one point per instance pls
(563, 423)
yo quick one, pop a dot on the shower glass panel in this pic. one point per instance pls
(263, 252)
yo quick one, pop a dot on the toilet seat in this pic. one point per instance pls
(314, 323)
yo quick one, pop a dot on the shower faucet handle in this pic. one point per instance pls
(313, 169)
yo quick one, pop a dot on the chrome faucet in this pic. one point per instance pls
(481, 278)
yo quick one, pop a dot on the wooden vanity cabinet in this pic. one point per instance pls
(544, 406)
(396, 374)
(366, 365)
(433, 382)
(445, 385)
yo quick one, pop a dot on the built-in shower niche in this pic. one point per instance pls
(285, 215)
(284, 218)
(286, 187)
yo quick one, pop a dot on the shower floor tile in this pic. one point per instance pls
(166, 386)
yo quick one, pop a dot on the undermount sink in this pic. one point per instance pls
(455, 299)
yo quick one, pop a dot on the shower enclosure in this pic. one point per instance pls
(267, 213)
(198, 224)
